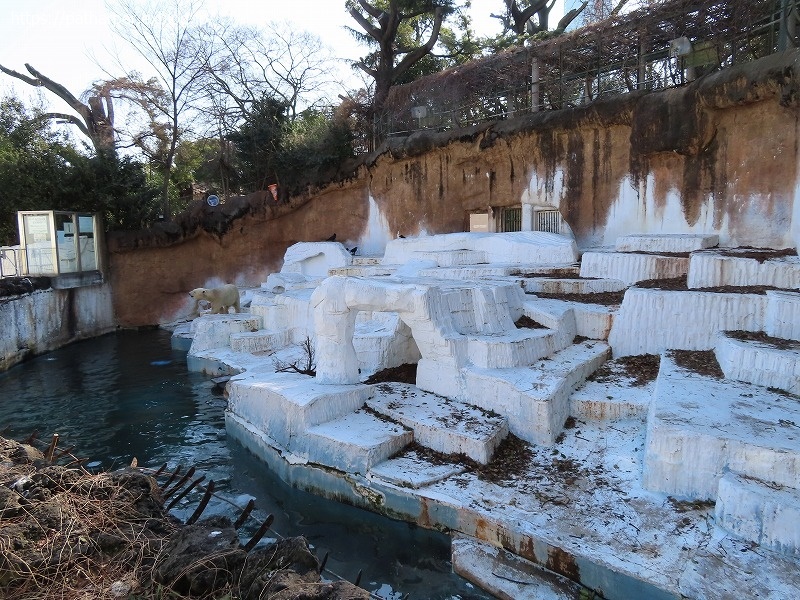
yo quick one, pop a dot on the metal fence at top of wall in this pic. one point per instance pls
(649, 49)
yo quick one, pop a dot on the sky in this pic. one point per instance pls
(71, 41)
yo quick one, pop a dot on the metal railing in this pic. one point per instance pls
(668, 48)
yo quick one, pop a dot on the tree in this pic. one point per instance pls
(530, 17)
(258, 141)
(97, 116)
(164, 34)
(381, 21)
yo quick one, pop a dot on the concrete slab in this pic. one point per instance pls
(353, 443)
(666, 242)
(700, 427)
(411, 471)
(508, 576)
(535, 399)
(607, 400)
(768, 515)
(515, 348)
(214, 331)
(554, 285)
(651, 321)
(593, 321)
(783, 315)
(631, 268)
(439, 423)
(262, 340)
(712, 268)
(760, 363)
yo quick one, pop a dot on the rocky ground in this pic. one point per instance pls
(68, 533)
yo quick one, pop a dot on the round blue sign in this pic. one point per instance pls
(213, 200)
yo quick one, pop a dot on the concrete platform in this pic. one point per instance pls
(783, 315)
(631, 268)
(759, 363)
(535, 399)
(666, 242)
(516, 348)
(593, 321)
(554, 285)
(411, 471)
(214, 331)
(508, 576)
(651, 321)
(712, 268)
(439, 423)
(611, 400)
(353, 443)
(259, 341)
(700, 427)
(767, 515)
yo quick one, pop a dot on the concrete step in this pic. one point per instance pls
(760, 362)
(214, 331)
(614, 396)
(553, 285)
(731, 266)
(262, 340)
(439, 423)
(666, 242)
(651, 321)
(508, 576)
(761, 512)
(630, 268)
(514, 348)
(286, 405)
(593, 321)
(353, 443)
(182, 337)
(409, 470)
(535, 399)
(362, 261)
(362, 271)
(699, 427)
(783, 315)
(452, 258)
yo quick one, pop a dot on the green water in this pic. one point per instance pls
(129, 395)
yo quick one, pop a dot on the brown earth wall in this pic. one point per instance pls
(723, 150)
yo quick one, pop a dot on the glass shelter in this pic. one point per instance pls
(57, 243)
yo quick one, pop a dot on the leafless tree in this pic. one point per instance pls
(245, 64)
(96, 115)
(164, 34)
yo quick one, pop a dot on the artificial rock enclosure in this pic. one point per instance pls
(683, 484)
(717, 156)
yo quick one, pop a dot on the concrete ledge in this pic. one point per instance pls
(444, 425)
(552, 285)
(783, 315)
(259, 341)
(666, 242)
(214, 331)
(651, 321)
(711, 269)
(631, 268)
(768, 515)
(759, 363)
(700, 427)
(508, 576)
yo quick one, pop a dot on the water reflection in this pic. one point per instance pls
(129, 395)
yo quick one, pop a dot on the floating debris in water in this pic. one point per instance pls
(160, 363)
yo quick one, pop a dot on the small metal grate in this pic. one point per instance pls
(548, 220)
(512, 219)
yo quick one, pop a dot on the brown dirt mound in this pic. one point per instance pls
(406, 373)
(641, 369)
(604, 298)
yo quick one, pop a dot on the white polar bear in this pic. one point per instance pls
(222, 298)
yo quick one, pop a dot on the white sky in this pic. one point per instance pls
(59, 37)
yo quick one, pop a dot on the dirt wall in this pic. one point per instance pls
(717, 156)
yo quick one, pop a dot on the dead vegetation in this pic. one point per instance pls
(702, 362)
(763, 338)
(638, 370)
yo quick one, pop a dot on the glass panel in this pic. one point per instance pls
(39, 251)
(67, 243)
(86, 243)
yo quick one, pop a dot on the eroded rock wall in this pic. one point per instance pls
(717, 156)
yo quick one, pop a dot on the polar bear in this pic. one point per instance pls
(222, 298)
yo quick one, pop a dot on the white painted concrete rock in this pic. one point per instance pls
(712, 269)
(768, 515)
(315, 259)
(651, 320)
(521, 247)
(666, 242)
(214, 331)
(783, 315)
(631, 268)
(759, 363)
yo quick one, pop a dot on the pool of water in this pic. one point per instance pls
(128, 394)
